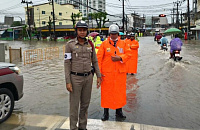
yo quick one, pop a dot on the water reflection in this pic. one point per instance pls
(131, 88)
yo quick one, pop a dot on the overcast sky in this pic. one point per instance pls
(146, 7)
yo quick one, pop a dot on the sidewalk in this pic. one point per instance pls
(55, 122)
(94, 124)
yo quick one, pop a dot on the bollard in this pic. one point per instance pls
(2, 52)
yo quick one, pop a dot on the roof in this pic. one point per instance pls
(16, 28)
(50, 3)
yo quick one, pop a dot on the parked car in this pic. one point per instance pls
(11, 89)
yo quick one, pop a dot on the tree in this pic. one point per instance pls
(78, 15)
(74, 18)
(100, 18)
(16, 23)
(24, 31)
(104, 19)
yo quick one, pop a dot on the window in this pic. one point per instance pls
(51, 13)
(43, 22)
(60, 14)
(60, 23)
(43, 12)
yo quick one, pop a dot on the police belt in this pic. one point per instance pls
(81, 74)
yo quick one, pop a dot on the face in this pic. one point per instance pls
(132, 38)
(82, 32)
(114, 36)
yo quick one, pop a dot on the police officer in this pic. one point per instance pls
(79, 55)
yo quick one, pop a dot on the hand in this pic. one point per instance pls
(116, 58)
(69, 87)
(98, 82)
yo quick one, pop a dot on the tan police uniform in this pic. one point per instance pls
(78, 60)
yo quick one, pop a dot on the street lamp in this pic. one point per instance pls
(20, 18)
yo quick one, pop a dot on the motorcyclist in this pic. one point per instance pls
(175, 44)
(158, 37)
(163, 41)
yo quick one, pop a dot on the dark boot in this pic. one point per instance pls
(105, 115)
(119, 113)
(171, 55)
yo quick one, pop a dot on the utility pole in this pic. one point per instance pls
(88, 18)
(39, 22)
(152, 22)
(49, 26)
(181, 18)
(173, 16)
(188, 7)
(28, 15)
(123, 16)
(177, 4)
(54, 26)
(123, 20)
(177, 16)
(143, 22)
(134, 22)
(126, 22)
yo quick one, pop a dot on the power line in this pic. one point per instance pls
(94, 8)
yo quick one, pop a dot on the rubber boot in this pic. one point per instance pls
(119, 113)
(105, 115)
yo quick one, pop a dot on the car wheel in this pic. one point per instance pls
(6, 104)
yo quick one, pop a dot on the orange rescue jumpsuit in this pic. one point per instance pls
(113, 86)
(131, 64)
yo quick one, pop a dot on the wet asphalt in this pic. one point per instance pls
(163, 92)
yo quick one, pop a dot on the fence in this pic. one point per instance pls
(63, 50)
(51, 52)
(33, 56)
(36, 55)
(15, 54)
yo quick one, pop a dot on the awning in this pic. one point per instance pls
(195, 29)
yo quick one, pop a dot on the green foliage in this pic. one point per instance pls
(24, 32)
(100, 18)
(16, 23)
(75, 17)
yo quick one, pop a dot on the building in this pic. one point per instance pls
(42, 14)
(196, 29)
(136, 22)
(73, 2)
(82, 5)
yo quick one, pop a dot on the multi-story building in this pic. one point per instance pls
(74, 2)
(93, 5)
(42, 14)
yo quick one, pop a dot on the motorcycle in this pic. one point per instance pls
(164, 47)
(158, 41)
(176, 55)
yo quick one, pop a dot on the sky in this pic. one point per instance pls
(146, 7)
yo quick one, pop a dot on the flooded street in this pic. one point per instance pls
(163, 92)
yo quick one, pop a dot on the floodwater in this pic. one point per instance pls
(163, 92)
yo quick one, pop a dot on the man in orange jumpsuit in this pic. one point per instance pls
(112, 55)
(127, 38)
(131, 64)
